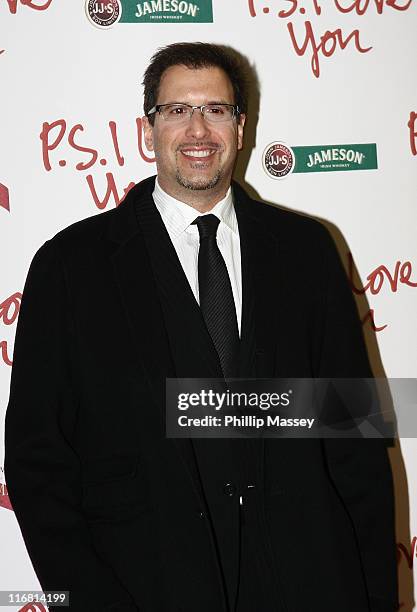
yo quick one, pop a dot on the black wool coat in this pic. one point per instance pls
(112, 510)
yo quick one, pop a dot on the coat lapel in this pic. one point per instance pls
(133, 273)
(259, 256)
(191, 345)
(132, 266)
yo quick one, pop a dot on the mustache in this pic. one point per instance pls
(208, 145)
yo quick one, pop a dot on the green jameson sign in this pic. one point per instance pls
(329, 158)
(167, 11)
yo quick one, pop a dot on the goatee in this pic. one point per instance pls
(199, 184)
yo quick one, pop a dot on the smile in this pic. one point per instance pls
(198, 153)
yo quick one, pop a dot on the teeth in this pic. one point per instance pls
(205, 153)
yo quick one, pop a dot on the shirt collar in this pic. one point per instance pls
(178, 216)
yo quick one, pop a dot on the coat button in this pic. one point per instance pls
(229, 489)
(201, 515)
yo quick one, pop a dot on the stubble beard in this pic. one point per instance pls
(198, 184)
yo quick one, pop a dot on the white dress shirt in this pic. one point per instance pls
(178, 217)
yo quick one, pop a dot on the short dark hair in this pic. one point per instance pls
(195, 55)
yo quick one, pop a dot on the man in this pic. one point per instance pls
(112, 510)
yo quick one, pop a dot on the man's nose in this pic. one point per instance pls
(197, 125)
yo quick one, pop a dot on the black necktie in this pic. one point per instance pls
(216, 296)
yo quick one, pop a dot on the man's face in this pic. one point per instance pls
(195, 155)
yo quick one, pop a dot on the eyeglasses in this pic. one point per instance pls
(181, 113)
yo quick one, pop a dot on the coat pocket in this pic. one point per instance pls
(118, 494)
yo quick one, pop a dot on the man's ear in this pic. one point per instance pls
(147, 133)
(240, 126)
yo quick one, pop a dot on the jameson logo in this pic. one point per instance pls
(280, 160)
(167, 6)
(324, 156)
(332, 158)
(174, 11)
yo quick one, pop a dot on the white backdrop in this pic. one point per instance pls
(55, 66)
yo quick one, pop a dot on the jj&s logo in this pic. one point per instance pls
(279, 160)
(103, 13)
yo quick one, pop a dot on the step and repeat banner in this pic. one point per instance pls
(331, 133)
